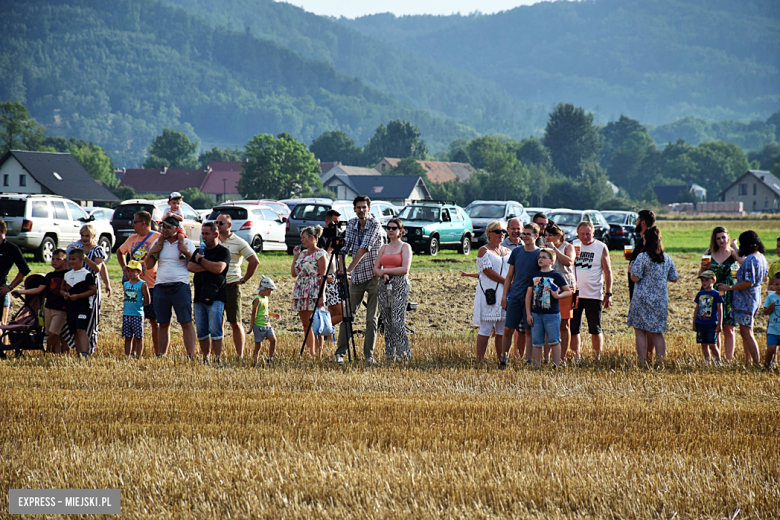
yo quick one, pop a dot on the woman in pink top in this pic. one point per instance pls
(392, 265)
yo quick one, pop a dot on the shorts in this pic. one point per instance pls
(233, 304)
(54, 320)
(132, 326)
(208, 319)
(545, 325)
(515, 314)
(7, 300)
(180, 301)
(772, 339)
(565, 307)
(486, 328)
(262, 333)
(705, 333)
(78, 318)
(592, 309)
(149, 309)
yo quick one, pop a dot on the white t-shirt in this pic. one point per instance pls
(168, 210)
(239, 249)
(588, 269)
(171, 268)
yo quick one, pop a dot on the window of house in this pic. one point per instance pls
(5, 180)
(743, 189)
(23, 180)
(755, 189)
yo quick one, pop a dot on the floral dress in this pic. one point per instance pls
(307, 285)
(650, 304)
(723, 275)
(747, 301)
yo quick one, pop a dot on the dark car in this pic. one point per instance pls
(567, 220)
(622, 225)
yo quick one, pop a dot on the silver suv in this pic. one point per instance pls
(41, 223)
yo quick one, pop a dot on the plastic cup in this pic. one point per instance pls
(706, 259)
(577, 250)
(628, 251)
(734, 269)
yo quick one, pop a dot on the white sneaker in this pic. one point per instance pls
(339, 359)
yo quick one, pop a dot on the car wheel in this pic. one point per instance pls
(605, 239)
(290, 250)
(257, 244)
(105, 244)
(465, 245)
(433, 246)
(45, 250)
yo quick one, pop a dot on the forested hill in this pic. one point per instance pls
(409, 77)
(655, 61)
(117, 73)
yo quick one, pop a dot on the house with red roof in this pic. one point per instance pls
(438, 171)
(219, 180)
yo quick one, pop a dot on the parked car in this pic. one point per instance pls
(203, 213)
(280, 208)
(291, 203)
(101, 219)
(311, 212)
(260, 226)
(383, 211)
(622, 225)
(122, 220)
(534, 211)
(42, 223)
(430, 225)
(567, 220)
(483, 212)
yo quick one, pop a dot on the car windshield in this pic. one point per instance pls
(420, 213)
(126, 211)
(614, 218)
(310, 212)
(486, 211)
(11, 208)
(235, 213)
(566, 219)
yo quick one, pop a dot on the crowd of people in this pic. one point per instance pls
(533, 289)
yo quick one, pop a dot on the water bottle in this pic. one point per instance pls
(202, 249)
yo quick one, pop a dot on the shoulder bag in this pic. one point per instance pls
(490, 294)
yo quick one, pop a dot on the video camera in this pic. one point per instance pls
(334, 235)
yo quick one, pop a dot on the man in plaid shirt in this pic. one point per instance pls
(364, 237)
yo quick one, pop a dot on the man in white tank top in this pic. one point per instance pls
(592, 268)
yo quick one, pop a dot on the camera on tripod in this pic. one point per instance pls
(334, 235)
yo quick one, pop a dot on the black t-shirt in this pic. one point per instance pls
(219, 253)
(80, 282)
(542, 301)
(11, 255)
(53, 283)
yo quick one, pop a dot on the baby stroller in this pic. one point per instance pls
(25, 331)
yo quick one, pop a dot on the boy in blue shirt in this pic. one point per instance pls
(136, 295)
(708, 316)
(772, 310)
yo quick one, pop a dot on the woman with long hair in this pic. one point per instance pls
(649, 307)
(747, 291)
(722, 258)
(564, 264)
(95, 262)
(392, 267)
(308, 267)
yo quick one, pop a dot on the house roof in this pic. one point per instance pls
(144, 180)
(340, 169)
(766, 178)
(71, 181)
(667, 194)
(383, 187)
(325, 167)
(440, 171)
(226, 166)
(214, 182)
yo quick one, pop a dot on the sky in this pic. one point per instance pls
(357, 8)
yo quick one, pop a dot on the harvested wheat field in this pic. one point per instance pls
(439, 437)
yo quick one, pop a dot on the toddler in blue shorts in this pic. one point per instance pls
(260, 315)
(708, 316)
(772, 310)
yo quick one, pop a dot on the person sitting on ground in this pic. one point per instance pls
(260, 314)
(708, 317)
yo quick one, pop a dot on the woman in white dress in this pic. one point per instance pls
(492, 266)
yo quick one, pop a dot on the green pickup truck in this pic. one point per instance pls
(431, 225)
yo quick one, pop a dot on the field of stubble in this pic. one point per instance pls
(439, 437)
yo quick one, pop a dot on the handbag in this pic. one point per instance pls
(321, 324)
(490, 294)
(208, 291)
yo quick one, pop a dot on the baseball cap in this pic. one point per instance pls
(134, 264)
(175, 195)
(171, 221)
(707, 274)
(267, 283)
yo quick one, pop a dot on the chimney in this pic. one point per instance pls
(164, 170)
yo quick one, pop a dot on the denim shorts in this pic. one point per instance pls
(262, 333)
(208, 319)
(180, 301)
(548, 325)
(705, 333)
(515, 314)
(772, 339)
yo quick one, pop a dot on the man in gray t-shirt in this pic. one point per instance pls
(514, 227)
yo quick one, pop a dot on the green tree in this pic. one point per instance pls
(593, 188)
(507, 178)
(625, 167)
(125, 192)
(216, 155)
(172, 149)
(615, 134)
(97, 163)
(460, 156)
(398, 139)
(767, 157)
(277, 168)
(336, 146)
(17, 130)
(531, 151)
(197, 199)
(538, 184)
(571, 138)
(408, 166)
(478, 149)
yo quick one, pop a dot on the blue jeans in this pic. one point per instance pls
(208, 319)
(546, 325)
(165, 304)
